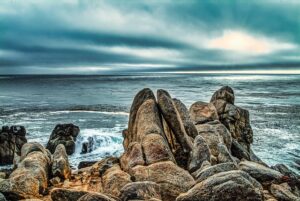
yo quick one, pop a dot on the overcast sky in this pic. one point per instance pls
(93, 36)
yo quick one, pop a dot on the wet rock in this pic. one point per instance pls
(225, 93)
(84, 164)
(211, 170)
(65, 134)
(200, 153)
(239, 151)
(60, 166)
(202, 112)
(283, 193)
(30, 179)
(260, 172)
(186, 119)
(139, 99)
(87, 147)
(95, 197)
(172, 179)
(226, 186)
(132, 156)
(11, 141)
(114, 179)
(140, 191)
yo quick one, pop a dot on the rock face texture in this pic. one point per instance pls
(170, 153)
(11, 141)
(65, 134)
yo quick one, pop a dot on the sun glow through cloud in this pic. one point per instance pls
(243, 42)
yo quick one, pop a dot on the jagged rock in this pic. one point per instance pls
(60, 166)
(172, 179)
(239, 151)
(224, 155)
(11, 141)
(174, 122)
(114, 179)
(62, 194)
(226, 186)
(200, 153)
(204, 165)
(202, 112)
(84, 164)
(283, 193)
(260, 172)
(30, 179)
(225, 93)
(87, 147)
(144, 190)
(214, 133)
(211, 170)
(139, 99)
(132, 156)
(65, 134)
(95, 197)
(185, 117)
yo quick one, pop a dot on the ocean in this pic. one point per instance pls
(100, 105)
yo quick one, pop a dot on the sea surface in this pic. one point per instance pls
(99, 105)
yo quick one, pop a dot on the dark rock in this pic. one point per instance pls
(225, 93)
(95, 197)
(2, 198)
(60, 166)
(11, 141)
(224, 154)
(84, 164)
(61, 194)
(200, 153)
(65, 134)
(87, 147)
(144, 190)
(226, 186)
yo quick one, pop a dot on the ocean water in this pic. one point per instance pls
(99, 105)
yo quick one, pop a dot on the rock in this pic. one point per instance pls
(144, 190)
(65, 134)
(224, 155)
(114, 179)
(226, 186)
(132, 156)
(11, 141)
(139, 99)
(185, 117)
(30, 179)
(200, 153)
(95, 197)
(260, 172)
(292, 178)
(2, 198)
(239, 151)
(225, 93)
(178, 133)
(211, 170)
(172, 179)
(84, 164)
(281, 192)
(202, 112)
(60, 166)
(87, 147)
(214, 133)
(155, 149)
(61, 194)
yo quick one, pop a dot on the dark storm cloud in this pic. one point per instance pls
(76, 36)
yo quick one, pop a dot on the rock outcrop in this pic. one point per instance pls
(65, 134)
(60, 165)
(11, 141)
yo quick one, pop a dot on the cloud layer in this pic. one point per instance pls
(77, 36)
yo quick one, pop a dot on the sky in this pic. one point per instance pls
(99, 37)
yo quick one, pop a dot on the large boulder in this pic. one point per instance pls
(132, 156)
(11, 141)
(30, 179)
(65, 134)
(202, 112)
(225, 93)
(87, 146)
(226, 186)
(260, 172)
(172, 179)
(60, 166)
(143, 190)
(62, 194)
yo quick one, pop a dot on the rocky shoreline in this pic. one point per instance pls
(170, 153)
